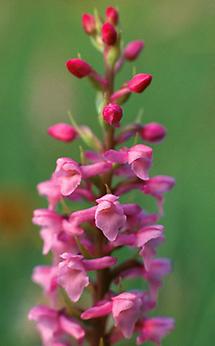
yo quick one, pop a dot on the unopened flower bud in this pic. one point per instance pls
(109, 34)
(139, 82)
(88, 23)
(78, 67)
(153, 132)
(112, 114)
(133, 49)
(63, 132)
(112, 15)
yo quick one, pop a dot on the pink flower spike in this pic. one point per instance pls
(99, 263)
(68, 174)
(112, 114)
(88, 23)
(112, 15)
(140, 159)
(109, 34)
(46, 276)
(153, 132)
(109, 216)
(155, 329)
(102, 308)
(71, 327)
(72, 275)
(78, 67)
(139, 82)
(127, 308)
(133, 49)
(62, 132)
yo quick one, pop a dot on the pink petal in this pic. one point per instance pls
(71, 327)
(116, 156)
(99, 263)
(99, 310)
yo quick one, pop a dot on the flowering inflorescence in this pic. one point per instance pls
(84, 243)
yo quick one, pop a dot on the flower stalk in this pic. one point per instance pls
(85, 243)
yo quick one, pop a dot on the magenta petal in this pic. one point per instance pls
(116, 156)
(101, 309)
(71, 327)
(109, 216)
(72, 276)
(126, 312)
(99, 263)
(70, 183)
(109, 220)
(140, 167)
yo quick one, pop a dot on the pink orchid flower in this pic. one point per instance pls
(109, 216)
(72, 272)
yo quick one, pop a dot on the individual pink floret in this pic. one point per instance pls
(154, 330)
(72, 272)
(109, 216)
(53, 324)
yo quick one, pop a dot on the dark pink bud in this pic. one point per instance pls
(88, 23)
(112, 15)
(112, 114)
(133, 49)
(109, 34)
(78, 67)
(63, 132)
(139, 82)
(153, 132)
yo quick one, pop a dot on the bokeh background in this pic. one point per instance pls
(37, 37)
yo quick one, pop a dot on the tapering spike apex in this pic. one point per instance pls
(112, 15)
(88, 23)
(109, 34)
(139, 82)
(133, 49)
(112, 114)
(153, 132)
(78, 67)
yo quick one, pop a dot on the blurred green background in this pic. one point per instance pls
(37, 37)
